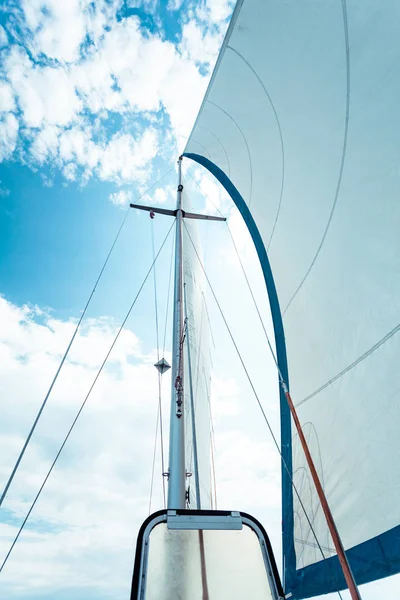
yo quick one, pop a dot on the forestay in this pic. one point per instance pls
(301, 116)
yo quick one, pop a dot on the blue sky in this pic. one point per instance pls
(65, 162)
(96, 102)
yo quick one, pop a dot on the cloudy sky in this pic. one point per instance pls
(96, 101)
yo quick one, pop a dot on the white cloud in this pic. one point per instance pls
(86, 520)
(8, 135)
(7, 103)
(65, 106)
(121, 198)
(174, 4)
(70, 171)
(162, 195)
(123, 158)
(3, 37)
(46, 95)
(4, 191)
(45, 145)
(219, 9)
(127, 159)
(60, 28)
(76, 144)
(199, 45)
(77, 65)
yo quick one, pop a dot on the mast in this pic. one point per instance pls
(177, 471)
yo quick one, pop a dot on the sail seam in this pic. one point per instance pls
(227, 37)
(222, 146)
(245, 141)
(280, 137)
(353, 364)
(343, 158)
(256, 395)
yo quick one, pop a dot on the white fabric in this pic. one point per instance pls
(197, 341)
(333, 238)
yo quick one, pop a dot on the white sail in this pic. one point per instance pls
(197, 367)
(301, 117)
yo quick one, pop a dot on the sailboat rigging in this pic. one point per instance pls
(329, 259)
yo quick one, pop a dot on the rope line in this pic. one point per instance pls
(169, 291)
(255, 305)
(154, 461)
(161, 438)
(61, 364)
(201, 189)
(10, 479)
(155, 289)
(257, 398)
(83, 404)
(155, 183)
(213, 450)
(160, 417)
(352, 365)
(281, 379)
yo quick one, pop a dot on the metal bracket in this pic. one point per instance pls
(201, 522)
(172, 213)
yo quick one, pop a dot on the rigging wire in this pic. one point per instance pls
(193, 448)
(84, 401)
(154, 463)
(155, 289)
(204, 194)
(169, 291)
(13, 472)
(61, 364)
(160, 416)
(280, 375)
(257, 397)
(272, 353)
(213, 450)
(159, 411)
(281, 379)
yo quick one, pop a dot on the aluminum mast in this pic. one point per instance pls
(177, 470)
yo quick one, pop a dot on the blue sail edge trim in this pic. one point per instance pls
(286, 427)
(373, 559)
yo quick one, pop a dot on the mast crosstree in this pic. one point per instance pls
(177, 470)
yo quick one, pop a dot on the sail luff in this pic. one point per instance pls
(300, 117)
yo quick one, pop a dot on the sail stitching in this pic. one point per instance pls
(280, 137)
(221, 144)
(256, 395)
(352, 365)
(245, 141)
(343, 158)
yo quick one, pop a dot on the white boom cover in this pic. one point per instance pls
(302, 115)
